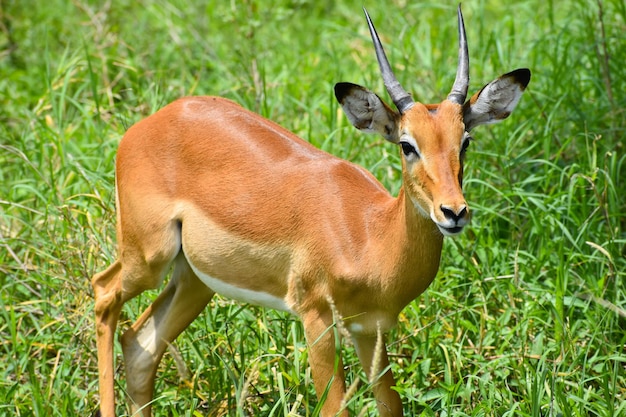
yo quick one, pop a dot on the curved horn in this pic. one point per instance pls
(399, 96)
(461, 83)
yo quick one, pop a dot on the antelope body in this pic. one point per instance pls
(241, 206)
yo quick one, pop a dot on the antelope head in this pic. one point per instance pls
(433, 137)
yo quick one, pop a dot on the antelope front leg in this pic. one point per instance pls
(373, 356)
(325, 361)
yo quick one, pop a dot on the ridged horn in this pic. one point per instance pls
(458, 94)
(399, 96)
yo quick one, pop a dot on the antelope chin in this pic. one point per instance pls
(450, 231)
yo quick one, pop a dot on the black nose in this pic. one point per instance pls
(450, 214)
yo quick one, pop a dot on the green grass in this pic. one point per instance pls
(528, 314)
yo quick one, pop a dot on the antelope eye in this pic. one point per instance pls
(408, 149)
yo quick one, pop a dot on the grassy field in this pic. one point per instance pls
(528, 314)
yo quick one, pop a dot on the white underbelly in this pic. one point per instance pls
(223, 288)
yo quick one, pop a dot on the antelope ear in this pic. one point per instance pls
(496, 101)
(366, 111)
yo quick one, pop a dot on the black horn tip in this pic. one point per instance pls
(458, 94)
(369, 20)
(459, 14)
(400, 97)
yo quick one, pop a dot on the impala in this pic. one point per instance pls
(242, 207)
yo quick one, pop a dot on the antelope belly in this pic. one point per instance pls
(241, 294)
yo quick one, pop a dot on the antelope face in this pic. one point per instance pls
(433, 144)
(433, 138)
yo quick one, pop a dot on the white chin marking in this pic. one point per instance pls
(241, 294)
(450, 231)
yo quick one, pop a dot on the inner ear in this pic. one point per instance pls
(366, 111)
(496, 100)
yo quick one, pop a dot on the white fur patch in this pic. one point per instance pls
(241, 294)
(356, 328)
(146, 338)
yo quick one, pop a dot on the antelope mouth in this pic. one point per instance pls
(450, 231)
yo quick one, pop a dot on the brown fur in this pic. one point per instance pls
(251, 204)
(233, 200)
